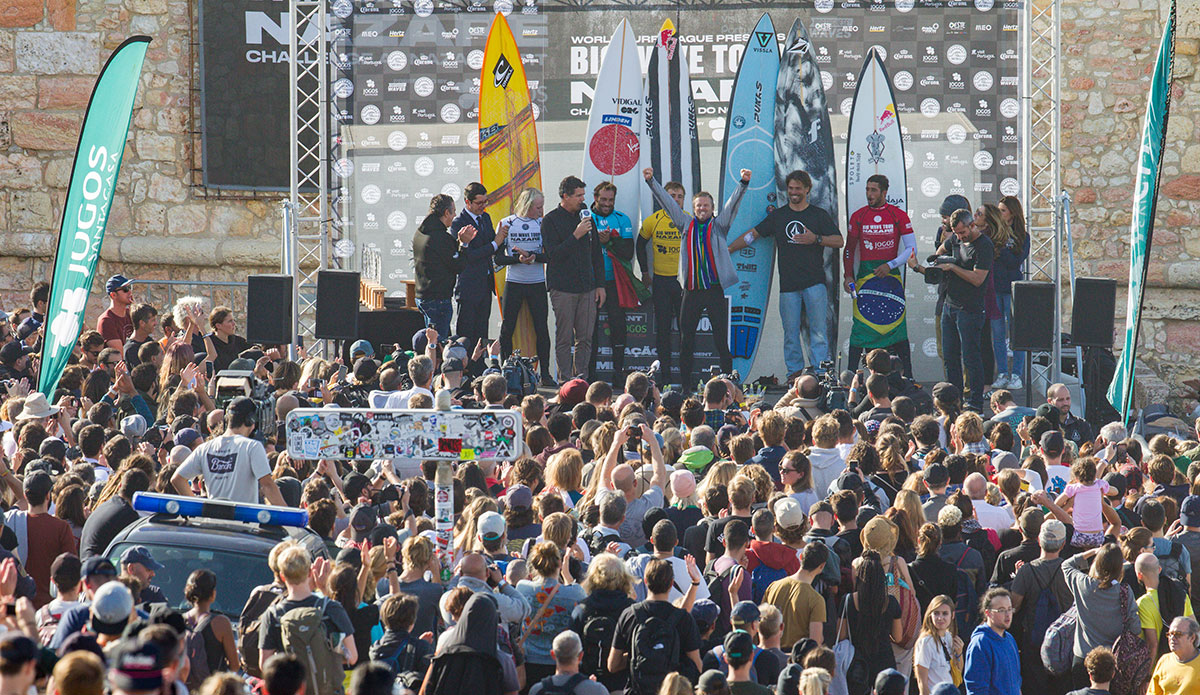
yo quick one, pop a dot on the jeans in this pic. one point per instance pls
(1001, 328)
(792, 305)
(532, 295)
(574, 320)
(962, 333)
(694, 303)
(437, 315)
(616, 331)
(666, 295)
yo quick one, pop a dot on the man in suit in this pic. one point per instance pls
(475, 286)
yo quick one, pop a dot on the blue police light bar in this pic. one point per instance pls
(200, 507)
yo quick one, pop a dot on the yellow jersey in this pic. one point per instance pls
(665, 238)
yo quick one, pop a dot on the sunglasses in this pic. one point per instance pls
(1178, 633)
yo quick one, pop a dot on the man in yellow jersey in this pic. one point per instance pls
(662, 260)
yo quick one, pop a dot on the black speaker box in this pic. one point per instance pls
(382, 328)
(1033, 316)
(337, 304)
(269, 309)
(1093, 312)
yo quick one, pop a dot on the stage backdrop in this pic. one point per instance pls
(406, 84)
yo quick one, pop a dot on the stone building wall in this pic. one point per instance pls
(163, 228)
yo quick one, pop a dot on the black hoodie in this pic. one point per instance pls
(436, 258)
(601, 602)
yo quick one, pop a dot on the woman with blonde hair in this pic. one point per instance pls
(609, 587)
(719, 473)
(564, 473)
(466, 537)
(1007, 267)
(519, 244)
(675, 684)
(938, 654)
(815, 681)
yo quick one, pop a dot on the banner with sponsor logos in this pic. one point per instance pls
(406, 88)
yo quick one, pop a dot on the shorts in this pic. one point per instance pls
(1085, 541)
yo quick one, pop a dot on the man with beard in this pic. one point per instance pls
(801, 233)
(705, 266)
(615, 232)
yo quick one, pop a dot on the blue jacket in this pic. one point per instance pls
(475, 278)
(993, 666)
(1006, 269)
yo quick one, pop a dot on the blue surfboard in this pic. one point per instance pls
(749, 143)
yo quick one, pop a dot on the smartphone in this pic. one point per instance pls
(208, 370)
(341, 373)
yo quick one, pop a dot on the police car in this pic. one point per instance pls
(185, 534)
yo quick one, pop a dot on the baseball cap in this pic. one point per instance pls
(365, 368)
(111, 608)
(712, 681)
(1051, 413)
(452, 365)
(353, 485)
(573, 392)
(1117, 484)
(946, 392)
(705, 613)
(54, 448)
(890, 682)
(28, 327)
(97, 566)
(13, 351)
(137, 667)
(1189, 511)
(801, 647)
(419, 342)
(936, 475)
(187, 437)
(38, 485)
(140, 555)
(66, 569)
(244, 407)
(116, 282)
(944, 689)
(739, 644)
(363, 520)
(1052, 443)
(744, 612)
(362, 347)
(518, 496)
(1053, 532)
(491, 526)
(789, 512)
(290, 489)
(672, 401)
(133, 426)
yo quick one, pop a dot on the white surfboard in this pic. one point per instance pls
(612, 150)
(874, 144)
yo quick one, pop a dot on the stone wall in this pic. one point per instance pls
(162, 228)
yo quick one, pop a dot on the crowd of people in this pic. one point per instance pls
(644, 540)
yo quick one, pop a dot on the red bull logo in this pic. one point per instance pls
(887, 119)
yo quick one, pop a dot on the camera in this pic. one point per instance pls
(834, 394)
(520, 375)
(933, 274)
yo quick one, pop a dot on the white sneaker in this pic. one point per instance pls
(1001, 381)
(1014, 383)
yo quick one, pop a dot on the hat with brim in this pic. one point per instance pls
(36, 406)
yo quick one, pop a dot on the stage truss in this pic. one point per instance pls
(311, 230)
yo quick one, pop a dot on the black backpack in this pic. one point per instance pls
(549, 688)
(402, 660)
(597, 638)
(718, 591)
(654, 652)
(599, 538)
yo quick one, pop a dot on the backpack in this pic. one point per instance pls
(262, 598)
(47, 624)
(599, 538)
(966, 598)
(204, 651)
(1171, 597)
(718, 593)
(1058, 646)
(1044, 613)
(1132, 654)
(910, 610)
(402, 660)
(654, 652)
(762, 577)
(597, 638)
(549, 688)
(305, 637)
(1172, 563)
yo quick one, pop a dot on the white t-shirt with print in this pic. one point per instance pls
(231, 465)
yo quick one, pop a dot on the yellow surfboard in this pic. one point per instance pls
(508, 147)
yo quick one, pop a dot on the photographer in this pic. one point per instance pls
(805, 396)
(965, 258)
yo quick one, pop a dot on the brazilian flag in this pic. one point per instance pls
(878, 308)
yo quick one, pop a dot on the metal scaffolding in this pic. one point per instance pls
(307, 210)
(1041, 178)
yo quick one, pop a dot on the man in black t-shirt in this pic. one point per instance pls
(801, 232)
(686, 659)
(963, 314)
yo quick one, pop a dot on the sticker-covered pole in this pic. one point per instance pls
(443, 515)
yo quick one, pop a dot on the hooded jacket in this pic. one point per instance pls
(722, 262)
(827, 465)
(993, 666)
(436, 259)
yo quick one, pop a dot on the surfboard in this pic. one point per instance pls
(508, 147)
(749, 143)
(612, 149)
(669, 141)
(874, 145)
(804, 140)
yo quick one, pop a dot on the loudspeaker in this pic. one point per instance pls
(1033, 315)
(269, 309)
(337, 304)
(1093, 312)
(383, 327)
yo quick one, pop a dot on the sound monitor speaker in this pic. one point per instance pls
(1093, 312)
(337, 304)
(1033, 315)
(269, 309)
(381, 328)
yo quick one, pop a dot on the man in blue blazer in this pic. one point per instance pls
(475, 288)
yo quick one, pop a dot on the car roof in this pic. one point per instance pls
(216, 534)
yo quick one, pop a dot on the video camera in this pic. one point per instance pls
(834, 394)
(933, 274)
(232, 383)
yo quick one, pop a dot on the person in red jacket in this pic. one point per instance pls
(879, 241)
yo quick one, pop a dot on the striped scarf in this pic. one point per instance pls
(700, 272)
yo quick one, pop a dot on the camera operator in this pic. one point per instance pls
(965, 257)
(804, 396)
